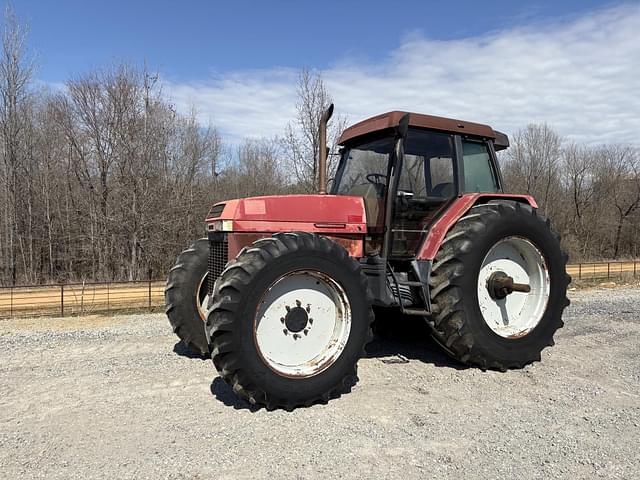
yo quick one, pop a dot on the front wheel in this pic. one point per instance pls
(289, 321)
(499, 285)
(186, 296)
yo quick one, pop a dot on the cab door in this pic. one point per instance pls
(426, 184)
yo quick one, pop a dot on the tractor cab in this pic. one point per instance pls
(408, 168)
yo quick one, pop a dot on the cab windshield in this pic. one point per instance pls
(363, 173)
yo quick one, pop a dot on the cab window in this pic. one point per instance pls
(479, 175)
(428, 165)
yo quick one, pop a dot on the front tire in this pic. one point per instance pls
(480, 324)
(289, 321)
(186, 296)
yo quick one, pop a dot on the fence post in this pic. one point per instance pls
(150, 271)
(608, 269)
(579, 271)
(634, 268)
(11, 302)
(108, 304)
(62, 300)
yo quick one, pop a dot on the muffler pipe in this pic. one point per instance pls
(322, 154)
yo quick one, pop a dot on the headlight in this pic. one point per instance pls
(221, 226)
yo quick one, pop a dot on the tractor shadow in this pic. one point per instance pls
(224, 393)
(182, 350)
(398, 339)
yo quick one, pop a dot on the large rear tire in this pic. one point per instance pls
(477, 320)
(186, 296)
(289, 321)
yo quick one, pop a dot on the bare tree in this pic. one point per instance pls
(535, 156)
(618, 181)
(578, 173)
(16, 70)
(301, 137)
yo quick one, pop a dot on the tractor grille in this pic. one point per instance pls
(218, 257)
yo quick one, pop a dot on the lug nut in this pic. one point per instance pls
(285, 331)
(306, 331)
(282, 319)
(296, 336)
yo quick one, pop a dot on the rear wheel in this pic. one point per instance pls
(499, 286)
(186, 296)
(289, 321)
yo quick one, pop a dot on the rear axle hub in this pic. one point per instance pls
(500, 285)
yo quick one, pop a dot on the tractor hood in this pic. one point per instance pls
(288, 213)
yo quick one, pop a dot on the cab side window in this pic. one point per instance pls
(441, 169)
(428, 165)
(479, 175)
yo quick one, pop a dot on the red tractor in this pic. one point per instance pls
(281, 293)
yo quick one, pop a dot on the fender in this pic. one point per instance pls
(454, 212)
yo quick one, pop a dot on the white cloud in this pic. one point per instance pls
(582, 77)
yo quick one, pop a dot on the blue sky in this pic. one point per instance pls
(570, 63)
(188, 40)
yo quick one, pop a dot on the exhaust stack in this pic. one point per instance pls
(322, 154)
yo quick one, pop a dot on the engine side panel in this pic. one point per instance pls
(243, 221)
(281, 213)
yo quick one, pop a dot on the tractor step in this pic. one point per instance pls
(410, 283)
(419, 312)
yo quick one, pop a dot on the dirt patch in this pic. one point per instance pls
(43, 324)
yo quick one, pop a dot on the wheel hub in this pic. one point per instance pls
(500, 285)
(296, 319)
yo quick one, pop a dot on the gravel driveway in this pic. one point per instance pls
(101, 397)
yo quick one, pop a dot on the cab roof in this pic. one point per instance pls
(390, 120)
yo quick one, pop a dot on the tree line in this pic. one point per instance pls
(591, 193)
(104, 180)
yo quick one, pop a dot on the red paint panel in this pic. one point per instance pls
(273, 227)
(355, 246)
(459, 207)
(237, 241)
(311, 213)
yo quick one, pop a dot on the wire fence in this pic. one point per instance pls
(81, 298)
(604, 270)
(148, 295)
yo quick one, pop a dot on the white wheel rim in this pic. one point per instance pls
(518, 313)
(302, 324)
(202, 305)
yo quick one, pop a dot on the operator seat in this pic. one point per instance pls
(373, 195)
(444, 190)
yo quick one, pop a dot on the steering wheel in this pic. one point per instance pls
(374, 177)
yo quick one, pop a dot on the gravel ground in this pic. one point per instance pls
(116, 397)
